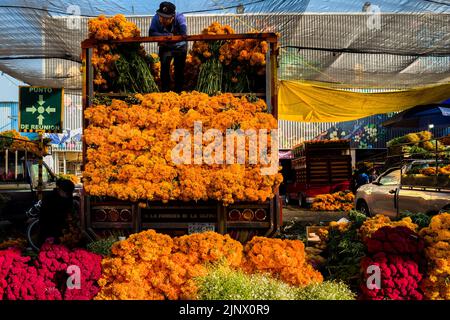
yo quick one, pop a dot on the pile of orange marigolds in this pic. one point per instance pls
(149, 265)
(339, 201)
(130, 149)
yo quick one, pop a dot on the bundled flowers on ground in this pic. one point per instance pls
(345, 250)
(154, 266)
(119, 67)
(283, 259)
(46, 277)
(436, 284)
(130, 149)
(371, 225)
(400, 277)
(398, 252)
(339, 201)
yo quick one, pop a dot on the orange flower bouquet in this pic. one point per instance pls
(283, 259)
(152, 266)
(119, 67)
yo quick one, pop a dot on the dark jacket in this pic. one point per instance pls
(53, 215)
(178, 28)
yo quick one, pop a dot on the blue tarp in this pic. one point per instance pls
(421, 117)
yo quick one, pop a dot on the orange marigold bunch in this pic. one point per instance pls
(339, 201)
(437, 251)
(104, 54)
(153, 266)
(284, 259)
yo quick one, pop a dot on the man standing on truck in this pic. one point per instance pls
(167, 22)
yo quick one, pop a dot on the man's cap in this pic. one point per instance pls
(166, 9)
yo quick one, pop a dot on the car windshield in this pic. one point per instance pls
(392, 178)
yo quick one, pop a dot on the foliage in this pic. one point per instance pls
(225, 283)
(103, 246)
(345, 250)
(421, 219)
(327, 290)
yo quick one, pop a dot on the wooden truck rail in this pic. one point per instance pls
(243, 219)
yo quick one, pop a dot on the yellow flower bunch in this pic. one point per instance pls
(105, 54)
(114, 28)
(371, 225)
(340, 226)
(130, 147)
(339, 201)
(152, 266)
(284, 259)
(436, 284)
(22, 144)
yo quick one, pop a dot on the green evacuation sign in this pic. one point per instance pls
(40, 109)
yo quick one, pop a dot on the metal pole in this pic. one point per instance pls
(15, 165)
(41, 163)
(6, 163)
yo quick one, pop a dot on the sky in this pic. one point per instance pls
(9, 88)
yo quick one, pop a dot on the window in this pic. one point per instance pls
(391, 179)
(12, 170)
(46, 175)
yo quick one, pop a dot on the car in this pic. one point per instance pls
(390, 195)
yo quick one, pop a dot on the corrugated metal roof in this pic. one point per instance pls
(9, 116)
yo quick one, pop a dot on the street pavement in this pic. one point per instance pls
(295, 213)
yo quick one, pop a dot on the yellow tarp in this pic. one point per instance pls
(311, 102)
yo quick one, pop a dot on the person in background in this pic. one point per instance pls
(362, 178)
(373, 175)
(167, 22)
(54, 211)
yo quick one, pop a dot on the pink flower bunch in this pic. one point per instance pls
(398, 252)
(46, 278)
(400, 278)
(19, 280)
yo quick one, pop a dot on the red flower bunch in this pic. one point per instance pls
(397, 251)
(19, 280)
(400, 278)
(46, 278)
(53, 262)
(398, 240)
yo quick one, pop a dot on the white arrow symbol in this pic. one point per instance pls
(49, 109)
(41, 100)
(41, 119)
(32, 109)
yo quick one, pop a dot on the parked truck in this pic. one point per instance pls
(320, 167)
(19, 171)
(417, 182)
(104, 216)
